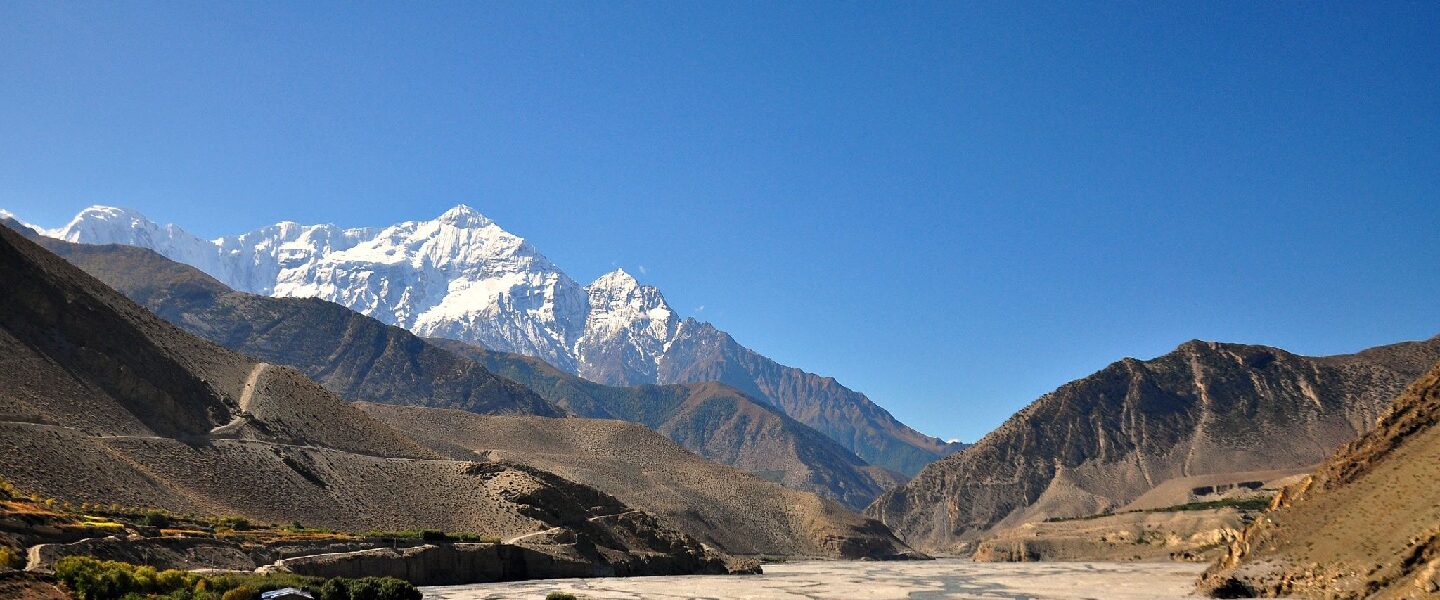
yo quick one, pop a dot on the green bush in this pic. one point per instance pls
(243, 592)
(561, 596)
(155, 518)
(235, 523)
(368, 588)
(334, 589)
(397, 589)
(365, 588)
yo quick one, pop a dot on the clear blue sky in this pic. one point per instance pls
(954, 207)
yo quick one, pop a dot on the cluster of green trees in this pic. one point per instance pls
(93, 579)
(368, 588)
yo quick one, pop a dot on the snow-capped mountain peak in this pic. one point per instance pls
(461, 215)
(627, 332)
(458, 275)
(113, 225)
(108, 220)
(619, 279)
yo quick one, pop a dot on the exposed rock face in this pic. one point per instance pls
(101, 401)
(1102, 441)
(461, 276)
(361, 358)
(1365, 525)
(718, 505)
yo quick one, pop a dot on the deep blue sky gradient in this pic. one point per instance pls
(953, 207)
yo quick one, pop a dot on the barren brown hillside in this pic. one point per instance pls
(717, 504)
(1365, 525)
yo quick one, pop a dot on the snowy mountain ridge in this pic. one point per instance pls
(458, 276)
(461, 276)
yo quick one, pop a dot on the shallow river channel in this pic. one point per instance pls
(847, 580)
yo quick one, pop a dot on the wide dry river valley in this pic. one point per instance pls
(847, 580)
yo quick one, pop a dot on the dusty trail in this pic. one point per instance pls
(246, 393)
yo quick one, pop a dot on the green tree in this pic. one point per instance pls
(365, 588)
(334, 589)
(397, 589)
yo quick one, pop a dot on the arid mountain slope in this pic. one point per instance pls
(353, 355)
(1104, 440)
(700, 352)
(720, 505)
(1365, 525)
(103, 402)
(363, 359)
(711, 419)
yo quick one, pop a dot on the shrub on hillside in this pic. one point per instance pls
(235, 523)
(155, 518)
(243, 592)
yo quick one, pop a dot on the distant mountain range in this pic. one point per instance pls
(102, 401)
(1100, 442)
(362, 359)
(460, 276)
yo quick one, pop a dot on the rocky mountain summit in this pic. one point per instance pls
(1365, 525)
(461, 276)
(1101, 442)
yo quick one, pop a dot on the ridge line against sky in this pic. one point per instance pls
(951, 208)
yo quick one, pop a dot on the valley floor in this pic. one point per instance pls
(817, 580)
